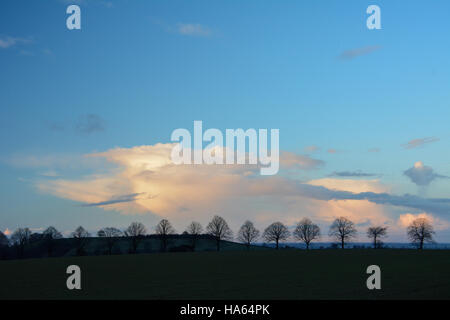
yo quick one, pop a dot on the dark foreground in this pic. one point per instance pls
(284, 274)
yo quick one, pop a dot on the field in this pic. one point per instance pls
(263, 274)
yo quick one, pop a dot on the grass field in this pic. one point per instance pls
(271, 274)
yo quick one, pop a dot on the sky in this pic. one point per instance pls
(86, 115)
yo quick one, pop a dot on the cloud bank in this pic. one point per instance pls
(143, 179)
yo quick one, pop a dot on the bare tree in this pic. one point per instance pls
(306, 231)
(343, 230)
(248, 233)
(50, 235)
(81, 238)
(276, 232)
(194, 230)
(163, 229)
(111, 236)
(20, 239)
(219, 229)
(376, 233)
(135, 232)
(420, 231)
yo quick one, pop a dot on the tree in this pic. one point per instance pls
(111, 236)
(163, 229)
(135, 232)
(219, 229)
(342, 229)
(81, 238)
(194, 230)
(248, 233)
(20, 238)
(50, 235)
(276, 232)
(306, 231)
(4, 243)
(376, 233)
(420, 231)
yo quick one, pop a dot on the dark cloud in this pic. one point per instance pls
(353, 53)
(422, 175)
(431, 205)
(352, 174)
(118, 199)
(90, 123)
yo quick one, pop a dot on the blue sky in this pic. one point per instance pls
(137, 70)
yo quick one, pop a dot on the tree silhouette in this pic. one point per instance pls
(163, 229)
(248, 233)
(194, 230)
(111, 236)
(20, 239)
(135, 232)
(81, 238)
(276, 232)
(420, 231)
(4, 243)
(343, 230)
(376, 233)
(219, 229)
(306, 231)
(50, 235)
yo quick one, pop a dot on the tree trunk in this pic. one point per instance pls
(277, 244)
(421, 244)
(342, 243)
(307, 245)
(218, 244)
(375, 242)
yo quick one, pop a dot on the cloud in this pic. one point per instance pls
(311, 149)
(7, 42)
(406, 219)
(114, 200)
(422, 175)
(291, 160)
(143, 179)
(352, 174)
(332, 151)
(415, 143)
(90, 123)
(7, 232)
(190, 29)
(354, 53)
(374, 150)
(55, 126)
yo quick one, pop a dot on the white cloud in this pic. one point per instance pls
(7, 42)
(191, 29)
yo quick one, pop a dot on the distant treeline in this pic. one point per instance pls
(135, 239)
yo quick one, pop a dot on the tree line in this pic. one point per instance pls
(341, 230)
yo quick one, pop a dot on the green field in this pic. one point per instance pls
(268, 274)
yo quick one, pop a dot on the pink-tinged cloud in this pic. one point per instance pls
(415, 143)
(143, 179)
(406, 219)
